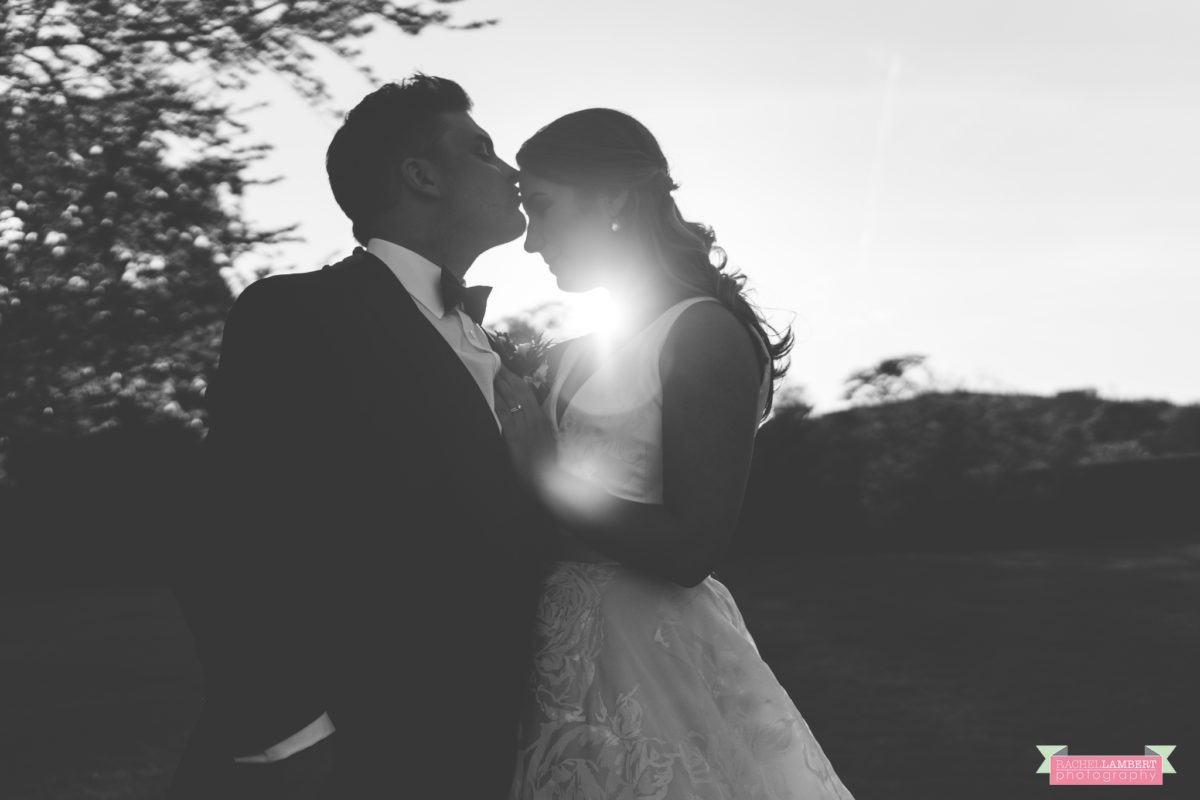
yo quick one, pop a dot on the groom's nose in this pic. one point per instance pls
(533, 238)
(511, 174)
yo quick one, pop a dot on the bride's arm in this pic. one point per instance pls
(710, 415)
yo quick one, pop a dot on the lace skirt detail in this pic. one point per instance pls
(645, 690)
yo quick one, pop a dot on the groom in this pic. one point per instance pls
(363, 601)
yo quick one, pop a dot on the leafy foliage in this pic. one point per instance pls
(890, 379)
(121, 158)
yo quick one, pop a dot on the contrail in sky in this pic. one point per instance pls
(873, 187)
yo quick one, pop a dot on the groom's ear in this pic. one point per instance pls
(419, 175)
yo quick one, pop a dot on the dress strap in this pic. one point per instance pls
(663, 326)
(668, 317)
(565, 366)
(654, 336)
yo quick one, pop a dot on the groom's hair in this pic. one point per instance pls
(395, 121)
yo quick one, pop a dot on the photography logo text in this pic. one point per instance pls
(1068, 770)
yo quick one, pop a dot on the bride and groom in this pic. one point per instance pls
(422, 581)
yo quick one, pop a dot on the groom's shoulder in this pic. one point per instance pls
(298, 285)
(284, 295)
(299, 293)
(350, 265)
(282, 288)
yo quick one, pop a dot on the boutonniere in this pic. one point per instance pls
(525, 358)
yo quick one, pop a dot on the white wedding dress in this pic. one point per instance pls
(642, 689)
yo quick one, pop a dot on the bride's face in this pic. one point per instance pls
(572, 230)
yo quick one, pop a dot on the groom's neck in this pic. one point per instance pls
(446, 251)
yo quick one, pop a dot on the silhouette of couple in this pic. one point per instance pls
(416, 580)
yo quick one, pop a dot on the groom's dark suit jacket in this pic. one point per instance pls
(372, 554)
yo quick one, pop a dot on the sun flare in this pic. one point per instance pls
(595, 312)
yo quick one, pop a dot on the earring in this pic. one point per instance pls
(616, 226)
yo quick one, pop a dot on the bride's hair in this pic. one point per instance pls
(599, 148)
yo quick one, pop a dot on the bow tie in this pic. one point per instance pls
(473, 299)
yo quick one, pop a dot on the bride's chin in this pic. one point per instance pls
(566, 284)
(573, 280)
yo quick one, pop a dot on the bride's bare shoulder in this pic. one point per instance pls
(708, 340)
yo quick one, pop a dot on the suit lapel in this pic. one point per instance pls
(425, 362)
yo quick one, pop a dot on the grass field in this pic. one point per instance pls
(923, 676)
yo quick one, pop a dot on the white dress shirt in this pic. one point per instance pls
(307, 736)
(421, 278)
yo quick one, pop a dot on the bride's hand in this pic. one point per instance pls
(526, 430)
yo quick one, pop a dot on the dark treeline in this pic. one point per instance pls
(937, 471)
(963, 470)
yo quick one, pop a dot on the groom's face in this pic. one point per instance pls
(480, 191)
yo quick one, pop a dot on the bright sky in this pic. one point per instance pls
(1011, 188)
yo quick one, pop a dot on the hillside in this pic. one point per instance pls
(952, 469)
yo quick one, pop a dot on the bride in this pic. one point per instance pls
(645, 682)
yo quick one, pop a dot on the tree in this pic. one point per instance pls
(1181, 433)
(890, 379)
(120, 154)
